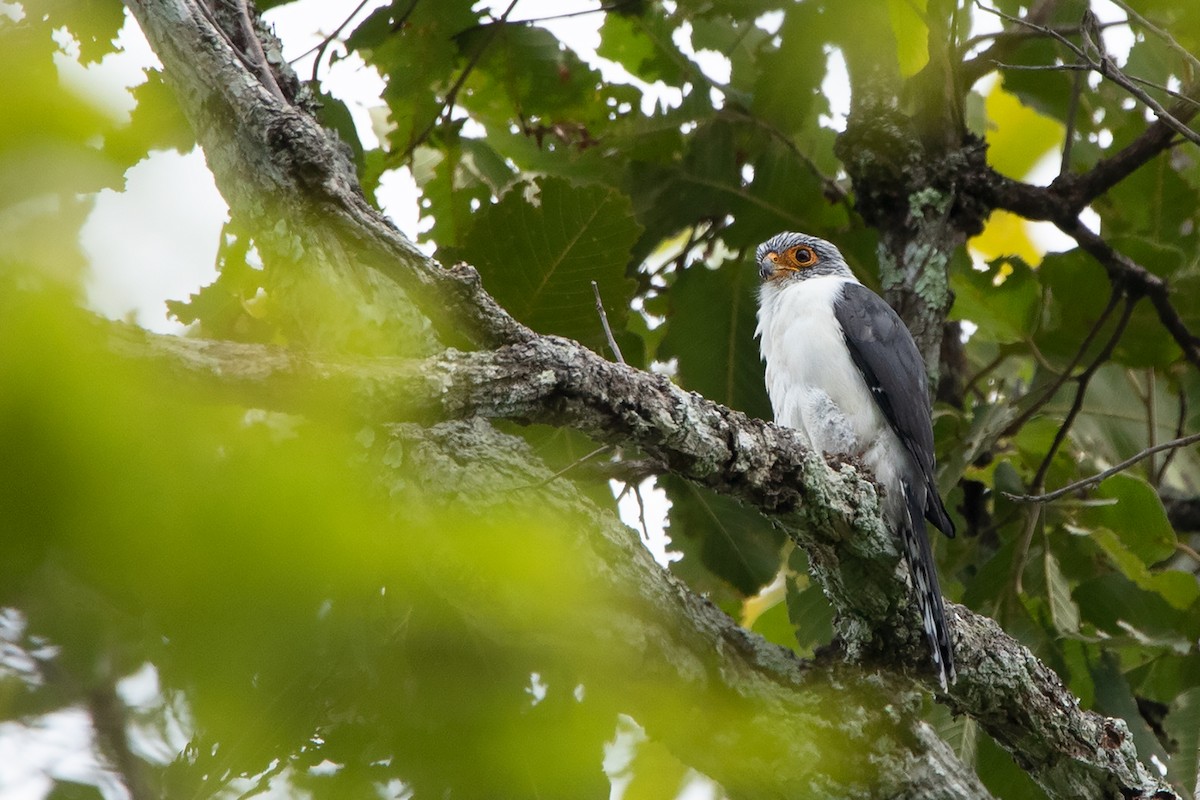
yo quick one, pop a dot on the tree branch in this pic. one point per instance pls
(1183, 441)
(829, 509)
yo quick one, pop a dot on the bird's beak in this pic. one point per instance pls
(769, 267)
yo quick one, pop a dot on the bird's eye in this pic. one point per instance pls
(804, 256)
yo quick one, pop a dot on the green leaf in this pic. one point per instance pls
(711, 332)
(912, 35)
(1183, 726)
(720, 539)
(1137, 518)
(808, 607)
(542, 245)
(413, 47)
(1180, 589)
(785, 93)
(642, 44)
(93, 23)
(1063, 610)
(1003, 300)
(1115, 698)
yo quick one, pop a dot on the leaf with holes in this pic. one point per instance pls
(542, 245)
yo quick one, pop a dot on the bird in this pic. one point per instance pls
(842, 369)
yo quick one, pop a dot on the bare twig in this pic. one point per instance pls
(1107, 68)
(1100, 476)
(608, 334)
(329, 39)
(616, 5)
(1191, 60)
(564, 470)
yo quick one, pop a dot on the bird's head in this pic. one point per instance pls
(796, 256)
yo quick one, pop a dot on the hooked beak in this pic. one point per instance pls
(769, 267)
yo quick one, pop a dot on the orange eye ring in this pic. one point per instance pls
(803, 255)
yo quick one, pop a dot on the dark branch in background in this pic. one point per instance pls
(1060, 436)
(1083, 380)
(110, 721)
(1180, 423)
(1048, 393)
(1038, 203)
(448, 103)
(1108, 473)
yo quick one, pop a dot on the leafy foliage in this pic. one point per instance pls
(243, 557)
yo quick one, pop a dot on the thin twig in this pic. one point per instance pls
(1098, 477)
(329, 39)
(1191, 60)
(1183, 97)
(637, 494)
(563, 471)
(616, 5)
(608, 334)
(1188, 551)
(1107, 68)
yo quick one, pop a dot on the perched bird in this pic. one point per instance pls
(844, 370)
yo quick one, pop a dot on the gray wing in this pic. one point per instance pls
(884, 351)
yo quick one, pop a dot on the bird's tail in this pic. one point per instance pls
(925, 582)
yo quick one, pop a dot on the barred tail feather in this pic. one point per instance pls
(923, 570)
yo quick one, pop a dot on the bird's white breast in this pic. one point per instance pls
(813, 384)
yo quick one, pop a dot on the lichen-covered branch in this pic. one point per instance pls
(830, 509)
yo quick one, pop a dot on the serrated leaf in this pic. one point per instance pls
(711, 333)
(642, 44)
(541, 246)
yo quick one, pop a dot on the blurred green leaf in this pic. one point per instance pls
(1178, 588)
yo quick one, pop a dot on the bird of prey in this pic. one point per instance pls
(842, 369)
